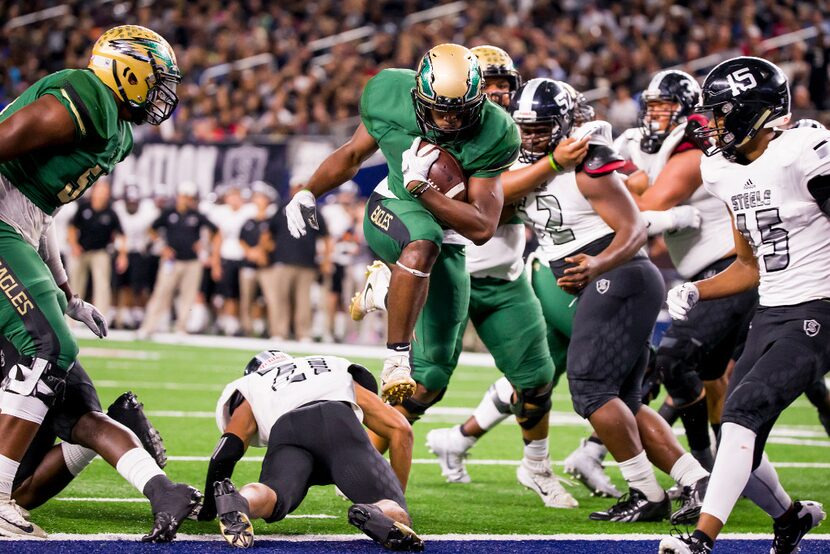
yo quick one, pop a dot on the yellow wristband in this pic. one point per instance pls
(556, 167)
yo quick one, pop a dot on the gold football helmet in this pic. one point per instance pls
(496, 63)
(448, 79)
(140, 68)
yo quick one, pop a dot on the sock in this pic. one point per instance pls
(695, 419)
(138, 467)
(668, 412)
(766, 491)
(8, 469)
(76, 457)
(638, 473)
(704, 538)
(466, 440)
(733, 466)
(687, 470)
(594, 447)
(537, 450)
(495, 405)
(397, 348)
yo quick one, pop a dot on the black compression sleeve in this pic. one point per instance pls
(229, 450)
(819, 187)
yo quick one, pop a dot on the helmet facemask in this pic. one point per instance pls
(732, 124)
(161, 97)
(540, 136)
(469, 115)
(652, 111)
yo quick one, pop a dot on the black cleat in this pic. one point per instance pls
(824, 419)
(384, 530)
(232, 508)
(808, 515)
(128, 411)
(634, 506)
(691, 501)
(176, 505)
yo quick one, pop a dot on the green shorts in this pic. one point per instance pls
(32, 306)
(558, 308)
(508, 319)
(390, 224)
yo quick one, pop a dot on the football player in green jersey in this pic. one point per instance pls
(56, 140)
(417, 231)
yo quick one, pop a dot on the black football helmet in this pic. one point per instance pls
(583, 111)
(740, 97)
(266, 361)
(544, 111)
(668, 86)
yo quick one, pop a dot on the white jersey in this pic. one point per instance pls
(691, 250)
(501, 256)
(778, 216)
(136, 226)
(285, 385)
(230, 223)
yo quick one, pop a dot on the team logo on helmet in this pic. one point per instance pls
(811, 327)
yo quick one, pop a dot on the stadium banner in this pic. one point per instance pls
(159, 167)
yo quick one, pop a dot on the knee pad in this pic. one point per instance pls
(32, 378)
(501, 394)
(532, 405)
(416, 408)
(677, 362)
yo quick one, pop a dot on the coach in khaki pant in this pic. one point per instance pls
(180, 270)
(91, 231)
(294, 270)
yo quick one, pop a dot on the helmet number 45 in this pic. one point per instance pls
(741, 80)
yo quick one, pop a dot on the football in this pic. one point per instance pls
(446, 174)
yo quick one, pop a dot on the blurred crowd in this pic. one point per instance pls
(308, 87)
(223, 264)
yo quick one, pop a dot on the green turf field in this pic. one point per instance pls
(179, 386)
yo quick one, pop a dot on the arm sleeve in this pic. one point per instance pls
(229, 450)
(50, 253)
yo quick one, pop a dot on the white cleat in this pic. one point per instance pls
(585, 465)
(396, 382)
(14, 525)
(538, 477)
(450, 453)
(373, 295)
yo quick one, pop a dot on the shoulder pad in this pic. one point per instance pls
(601, 160)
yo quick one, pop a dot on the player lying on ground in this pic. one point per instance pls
(308, 412)
(416, 230)
(776, 184)
(56, 139)
(46, 468)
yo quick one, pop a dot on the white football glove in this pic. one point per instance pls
(415, 165)
(685, 217)
(681, 299)
(87, 314)
(301, 209)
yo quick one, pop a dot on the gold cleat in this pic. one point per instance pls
(373, 295)
(395, 393)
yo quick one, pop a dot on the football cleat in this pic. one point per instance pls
(373, 295)
(538, 477)
(384, 530)
(177, 505)
(683, 545)
(232, 508)
(450, 454)
(824, 419)
(128, 411)
(396, 382)
(808, 515)
(634, 506)
(691, 501)
(585, 465)
(13, 523)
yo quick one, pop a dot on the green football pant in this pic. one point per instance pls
(32, 306)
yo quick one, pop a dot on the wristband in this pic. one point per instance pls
(420, 188)
(556, 167)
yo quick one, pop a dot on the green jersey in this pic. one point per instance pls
(56, 176)
(387, 111)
